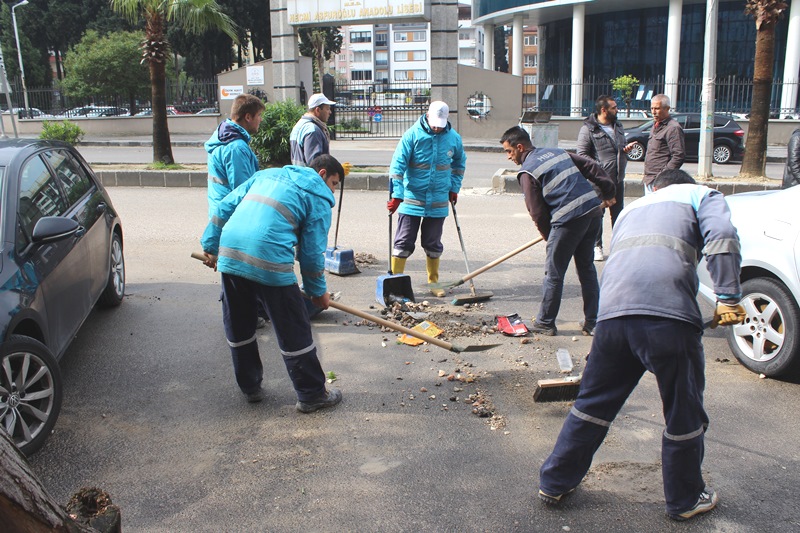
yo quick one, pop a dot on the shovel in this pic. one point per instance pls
(393, 287)
(408, 331)
(341, 262)
(486, 267)
(476, 297)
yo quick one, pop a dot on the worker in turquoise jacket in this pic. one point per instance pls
(426, 173)
(231, 161)
(253, 238)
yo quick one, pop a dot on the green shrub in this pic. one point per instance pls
(271, 142)
(353, 124)
(61, 131)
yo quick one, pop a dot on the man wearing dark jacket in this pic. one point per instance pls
(791, 175)
(666, 148)
(561, 194)
(602, 138)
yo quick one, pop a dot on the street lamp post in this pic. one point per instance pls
(19, 52)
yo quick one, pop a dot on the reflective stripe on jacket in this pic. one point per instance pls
(566, 192)
(657, 243)
(257, 228)
(426, 168)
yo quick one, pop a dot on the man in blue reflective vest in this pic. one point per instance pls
(565, 195)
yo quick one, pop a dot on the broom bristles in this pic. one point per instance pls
(557, 390)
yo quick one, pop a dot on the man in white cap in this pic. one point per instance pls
(425, 175)
(310, 137)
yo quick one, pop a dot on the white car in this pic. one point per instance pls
(768, 223)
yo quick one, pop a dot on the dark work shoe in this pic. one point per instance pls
(541, 329)
(588, 331)
(255, 396)
(708, 500)
(553, 499)
(329, 399)
(261, 323)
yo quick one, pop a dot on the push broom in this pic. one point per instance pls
(474, 297)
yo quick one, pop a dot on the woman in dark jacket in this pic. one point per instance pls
(791, 175)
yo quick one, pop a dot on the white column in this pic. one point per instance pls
(285, 63)
(488, 46)
(705, 155)
(516, 46)
(673, 50)
(791, 79)
(578, 25)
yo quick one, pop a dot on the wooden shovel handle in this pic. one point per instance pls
(391, 325)
(499, 260)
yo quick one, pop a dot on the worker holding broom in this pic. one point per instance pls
(426, 172)
(649, 320)
(252, 239)
(561, 194)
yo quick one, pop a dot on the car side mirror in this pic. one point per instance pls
(51, 229)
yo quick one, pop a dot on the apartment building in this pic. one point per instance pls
(530, 64)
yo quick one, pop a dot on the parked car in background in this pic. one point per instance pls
(208, 111)
(728, 138)
(148, 112)
(61, 255)
(768, 223)
(32, 111)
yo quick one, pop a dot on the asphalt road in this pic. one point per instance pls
(152, 414)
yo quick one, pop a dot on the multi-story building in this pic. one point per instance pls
(471, 39)
(530, 64)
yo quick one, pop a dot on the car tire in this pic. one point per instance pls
(767, 342)
(636, 152)
(722, 153)
(115, 287)
(29, 403)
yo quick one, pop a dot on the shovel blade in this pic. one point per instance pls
(472, 298)
(474, 348)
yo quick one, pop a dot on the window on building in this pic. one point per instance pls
(381, 59)
(362, 56)
(464, 35)
(531, 40)
(530, 79)
(410, 55)
(400, 37)
(381, 39)
(406, 75)
(360, 37)
(361, 75)
(382, 75)
(419, 36)
(531, 60)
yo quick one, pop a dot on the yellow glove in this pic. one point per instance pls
(727, 315)
(347, 167)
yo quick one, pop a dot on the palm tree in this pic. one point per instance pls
(766, 14)
(194, 16)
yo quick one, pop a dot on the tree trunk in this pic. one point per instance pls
(25, 505)
(162, 147)
(755, 155)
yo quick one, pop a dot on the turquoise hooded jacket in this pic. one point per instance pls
(426, 168)
(231, 161)
(256, 229)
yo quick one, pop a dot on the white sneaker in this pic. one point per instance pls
(598, 253)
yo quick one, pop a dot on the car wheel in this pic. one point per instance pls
(722, 154)
(767, 342)
(30, 392)
(637, 152)
(115, 288)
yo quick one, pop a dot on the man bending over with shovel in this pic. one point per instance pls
(251, 239)
(426, 172)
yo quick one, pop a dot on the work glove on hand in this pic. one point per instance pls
(347, 168)
(393, 204)
(728, 315)
(453, 198)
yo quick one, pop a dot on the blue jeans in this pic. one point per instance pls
(574, 239)
(622, 349)
(286, 308)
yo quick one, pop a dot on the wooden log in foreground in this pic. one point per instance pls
(26, 506)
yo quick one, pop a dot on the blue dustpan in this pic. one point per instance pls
(340, 261)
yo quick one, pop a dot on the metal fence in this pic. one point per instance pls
(183, 97)
(374, 109)
(732, 95)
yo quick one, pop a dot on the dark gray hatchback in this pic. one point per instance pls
(61, 254)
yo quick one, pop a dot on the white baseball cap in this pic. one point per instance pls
(317, 100)
(437, 114)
